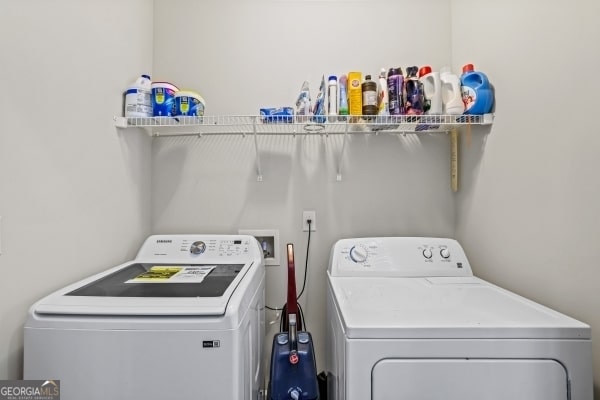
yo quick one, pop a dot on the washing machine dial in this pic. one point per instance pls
(427, 253)
(359, 254)
(445, 253)
(198, 247)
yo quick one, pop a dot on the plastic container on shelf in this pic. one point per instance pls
(451, 93)
(395, 84)
(343, 108)
(332, 98)
(163, 99)
(477, 94)
(369, 96)
(189, 104)
(414, 92)
(432, 90)
(303, 106)
(355, 93)
(138, 98)
(383, 99)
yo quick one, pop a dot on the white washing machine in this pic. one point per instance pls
(184, 320)
(408, 320)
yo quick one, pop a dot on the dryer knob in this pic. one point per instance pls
(358, 254)
(445, 253)
(427, 253)
(198, 247)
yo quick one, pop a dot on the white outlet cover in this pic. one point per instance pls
(313, 225)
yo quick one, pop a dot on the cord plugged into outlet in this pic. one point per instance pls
(309, 216)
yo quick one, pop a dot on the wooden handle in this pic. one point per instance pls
(454, 159)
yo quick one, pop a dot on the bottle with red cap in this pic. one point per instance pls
(477, 93)
(432, 90)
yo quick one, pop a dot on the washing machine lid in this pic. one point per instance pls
(137, 288)
(443, 307)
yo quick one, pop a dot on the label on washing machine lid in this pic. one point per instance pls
(172, 274)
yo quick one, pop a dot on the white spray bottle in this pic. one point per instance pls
(383, 96)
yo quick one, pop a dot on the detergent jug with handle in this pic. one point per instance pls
(476, 91)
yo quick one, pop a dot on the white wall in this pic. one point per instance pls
(529, 208)
(243, 55)
(74, 193)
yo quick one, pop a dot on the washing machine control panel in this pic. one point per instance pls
(398, 256)
(201, 248)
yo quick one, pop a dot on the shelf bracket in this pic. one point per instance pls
(120, 122)
(259, 176)
(339, 171)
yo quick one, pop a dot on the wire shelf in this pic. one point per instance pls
(291, 125)
(254, 124)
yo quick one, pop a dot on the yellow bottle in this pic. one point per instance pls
(355, 93)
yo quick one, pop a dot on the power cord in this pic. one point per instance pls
(309, 222)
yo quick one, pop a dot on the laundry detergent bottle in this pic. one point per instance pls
(451, 93)
(477, 93)
(432, 90)
(138, 98)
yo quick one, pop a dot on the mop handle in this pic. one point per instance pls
(292, 303)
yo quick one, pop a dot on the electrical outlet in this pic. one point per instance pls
(306, 215)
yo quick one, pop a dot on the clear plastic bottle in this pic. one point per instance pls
(303, 110)
(138, 98)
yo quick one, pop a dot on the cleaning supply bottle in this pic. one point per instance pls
(395, 84)
(303, 105)
(476, 91)
(355, 94)
(138, 98)
(369, 96)
(332, 98)
(414, 92)
(319, 106)
(432, 90)
(383, 99)
(451, 94)
(343, 108)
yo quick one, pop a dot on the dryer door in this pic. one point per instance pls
(469, 379)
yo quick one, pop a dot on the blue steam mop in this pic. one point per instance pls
(293, 368)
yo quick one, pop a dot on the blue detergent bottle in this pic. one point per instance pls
(477, 93)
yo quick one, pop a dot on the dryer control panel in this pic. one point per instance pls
(399, 256)
(201, 248)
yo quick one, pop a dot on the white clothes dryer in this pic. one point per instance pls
(184, 320)
(408, 320)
